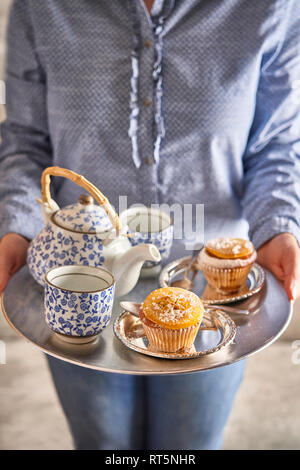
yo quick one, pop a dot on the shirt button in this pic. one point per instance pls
(149, 161)
(147, 103)
(148, 43)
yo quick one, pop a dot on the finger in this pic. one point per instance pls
(290, 287)
(5, 274)
(4, 278)
(271, 263)
(277, 270)
(292, 275)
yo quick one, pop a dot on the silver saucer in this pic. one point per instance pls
(175, 270)
(217, 331)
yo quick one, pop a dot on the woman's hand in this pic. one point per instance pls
(13, 251)
(281, 256)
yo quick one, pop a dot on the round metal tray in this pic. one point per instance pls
(22, 306)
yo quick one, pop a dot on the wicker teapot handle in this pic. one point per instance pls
(80, 181)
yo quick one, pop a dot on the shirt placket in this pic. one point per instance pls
(148, 168)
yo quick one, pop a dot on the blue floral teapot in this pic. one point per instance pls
(85, 233)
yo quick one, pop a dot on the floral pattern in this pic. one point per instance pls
(57, 247)
(162, 240)
(78, 314)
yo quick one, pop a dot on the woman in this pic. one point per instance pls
(190, 102)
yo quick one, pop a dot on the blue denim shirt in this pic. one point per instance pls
(197, 103)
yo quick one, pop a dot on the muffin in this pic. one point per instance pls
(171, 317)
(226, 263)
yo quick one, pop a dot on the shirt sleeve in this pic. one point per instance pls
(271, 197)
(25, 149)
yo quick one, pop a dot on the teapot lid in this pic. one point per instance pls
(83, 217)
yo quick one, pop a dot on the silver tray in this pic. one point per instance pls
(174, 271)
(22, 306)
(216, 331)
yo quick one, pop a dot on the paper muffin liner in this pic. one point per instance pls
(168, 340)
(228, 280)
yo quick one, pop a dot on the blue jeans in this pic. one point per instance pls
(114, 411)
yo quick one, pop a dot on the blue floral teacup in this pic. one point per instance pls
(78, 300)
(149, 225)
